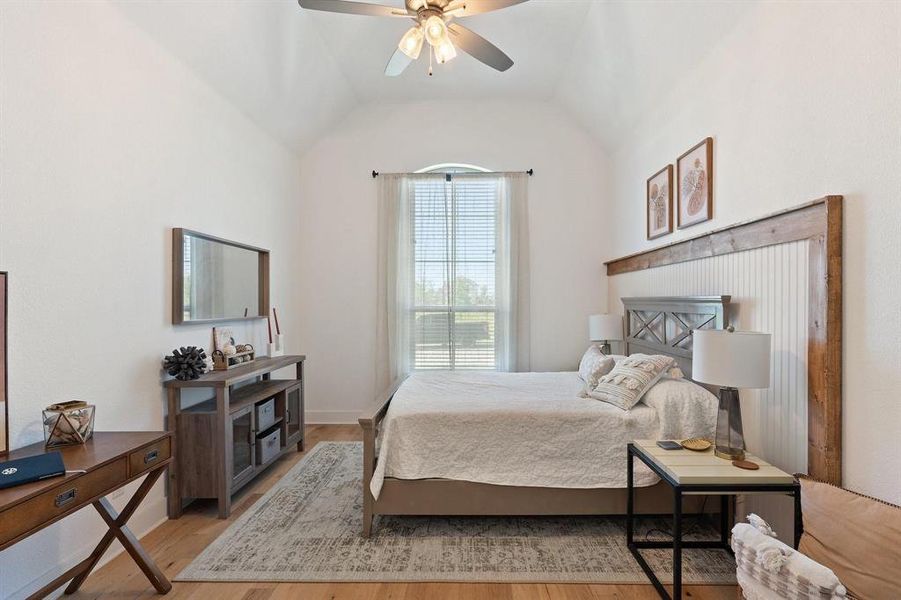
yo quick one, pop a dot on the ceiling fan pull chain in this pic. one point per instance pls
(431, 51)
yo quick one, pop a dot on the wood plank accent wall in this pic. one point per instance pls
(819, 223)
(768, 290)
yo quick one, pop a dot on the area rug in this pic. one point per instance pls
(307, 528)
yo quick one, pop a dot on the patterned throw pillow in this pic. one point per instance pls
(624, 386)
(594, 365)
(674, 372)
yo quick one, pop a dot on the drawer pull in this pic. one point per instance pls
(151, 456)
(66, 497)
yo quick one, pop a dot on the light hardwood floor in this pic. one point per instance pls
(175, 543)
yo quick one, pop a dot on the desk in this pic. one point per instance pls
(109, 460)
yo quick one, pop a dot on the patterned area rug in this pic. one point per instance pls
(307, 528)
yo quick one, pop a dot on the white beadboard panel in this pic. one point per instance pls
(769, 293)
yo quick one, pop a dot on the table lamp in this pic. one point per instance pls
(730, 359)
(605, 329)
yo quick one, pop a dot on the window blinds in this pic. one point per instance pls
(454, 228)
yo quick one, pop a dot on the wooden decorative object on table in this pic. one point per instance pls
(226, 359)
(68, 423)
(745, 464)
(186, 363)
(696, 444)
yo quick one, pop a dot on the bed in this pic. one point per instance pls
(454, 443)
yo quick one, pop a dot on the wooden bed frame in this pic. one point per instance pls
(654, 326)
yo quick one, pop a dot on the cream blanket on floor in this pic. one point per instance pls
(525, 429)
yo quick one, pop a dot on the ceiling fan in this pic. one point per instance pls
(433, 24)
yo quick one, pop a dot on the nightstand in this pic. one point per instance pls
(692, 473)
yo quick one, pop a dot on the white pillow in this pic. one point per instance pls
(673, 372)
(685, 409)
(624, 386)
(594, 365)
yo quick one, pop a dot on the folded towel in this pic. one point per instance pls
(760, 525)
(781, 569)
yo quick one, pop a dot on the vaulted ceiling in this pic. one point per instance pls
(297, 72)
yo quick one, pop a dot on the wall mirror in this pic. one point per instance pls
(4, 412)
(216, 279)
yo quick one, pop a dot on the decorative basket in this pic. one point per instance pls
(245, 355)
(68, 423)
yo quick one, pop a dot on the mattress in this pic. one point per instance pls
(523, 429)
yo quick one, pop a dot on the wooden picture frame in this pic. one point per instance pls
(178, 278)
(694, 181)
(659, 198)
(4, 390)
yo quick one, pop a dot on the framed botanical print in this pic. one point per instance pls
(659, 203)
(694, 176)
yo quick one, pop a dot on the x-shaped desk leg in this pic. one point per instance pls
(118, 530)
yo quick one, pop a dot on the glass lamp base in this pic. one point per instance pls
(730, 440)
(729, 453)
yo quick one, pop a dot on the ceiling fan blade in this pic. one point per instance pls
(467, 8)
(353, 8)
(478, 47)
(398, 62)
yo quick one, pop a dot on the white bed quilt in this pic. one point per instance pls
(524, 429)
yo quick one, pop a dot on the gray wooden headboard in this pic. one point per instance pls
(663, 325)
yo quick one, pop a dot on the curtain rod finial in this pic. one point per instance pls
(531, 172)
(375, 174)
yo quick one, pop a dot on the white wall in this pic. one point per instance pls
(107, 142)
(803, 100)
(338, 230)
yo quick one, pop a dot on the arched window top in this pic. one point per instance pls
(454, 168)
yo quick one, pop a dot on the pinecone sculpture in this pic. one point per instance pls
(185, 363)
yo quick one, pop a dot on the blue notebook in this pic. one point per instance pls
(31, 468)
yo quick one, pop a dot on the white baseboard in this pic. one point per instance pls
(332, 417)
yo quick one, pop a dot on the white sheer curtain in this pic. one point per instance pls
(395, 284)
(403, 324)
(512, 324)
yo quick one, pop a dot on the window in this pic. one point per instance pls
(453, 271)
(454, 312)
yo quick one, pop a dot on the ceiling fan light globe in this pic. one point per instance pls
(445, 52)
(435, 30)
(411, 43)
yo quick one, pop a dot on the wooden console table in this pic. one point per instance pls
(104, 464)
(218, 440)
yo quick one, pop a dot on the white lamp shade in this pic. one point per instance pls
(739, 359)
(603, 328)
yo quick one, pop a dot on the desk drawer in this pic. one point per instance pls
(61, 500)
(148, 456)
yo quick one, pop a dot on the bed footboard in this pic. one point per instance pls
(369, 422)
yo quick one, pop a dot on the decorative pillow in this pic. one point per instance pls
(624, 386)
(685, 409)
(593, 366)
(673, 373)
(855, 536)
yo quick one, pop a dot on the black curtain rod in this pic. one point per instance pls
(530, 172)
